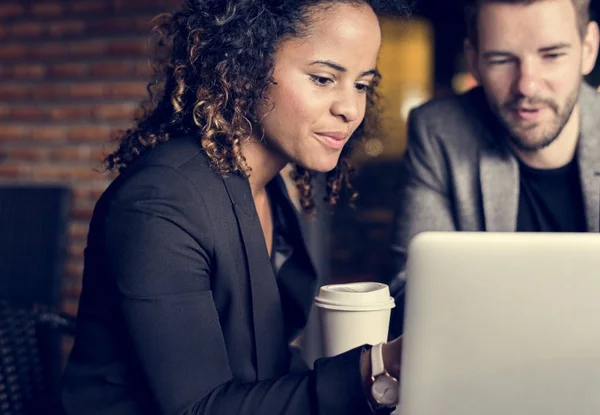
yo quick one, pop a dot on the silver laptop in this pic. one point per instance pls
(502, 324)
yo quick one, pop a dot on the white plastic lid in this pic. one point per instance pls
(358, 296)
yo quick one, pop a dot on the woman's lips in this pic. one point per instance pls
(333, 139)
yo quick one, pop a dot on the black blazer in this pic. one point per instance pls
(180, 311)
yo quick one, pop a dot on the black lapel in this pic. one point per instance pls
(297, 231)
(297, 278)
(269, 331)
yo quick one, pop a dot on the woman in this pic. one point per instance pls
(196, 275)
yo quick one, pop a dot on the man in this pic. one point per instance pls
(522, 151)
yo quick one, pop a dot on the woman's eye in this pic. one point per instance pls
(320, 80)
(364, 87)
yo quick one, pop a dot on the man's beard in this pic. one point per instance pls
(518, 132)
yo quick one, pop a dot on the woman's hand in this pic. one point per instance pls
(392, 353)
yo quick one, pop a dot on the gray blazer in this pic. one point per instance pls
(458, 176)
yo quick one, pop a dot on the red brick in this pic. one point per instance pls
(5, 111)
(114, 69)
(88, 90)
(81, 202)
(144, 70)
(10, 92)
(89, 133)
(11, 170)
(28, 71)
(67, 28)
(70, 307)
(14, 51)
(11, 9)
(70, 154)
(89, 6)
(145, 23)
(51, 133)
(80, 192)
(69, 70)
(49, 91)
(115, 112)
(78, 230)
(142, 5)
(112, 145)
(96, 193)
(12, 132)
(27, 153)
(87, 193)
(88, 48)
(47, 9)
(74, 268)
(110, 25)
(45, 51)
(28, 113)
(70, 112)
(71, 289)
(27, 29)
(125, 90)
(98, 155)
(53, 172)
(129, 47)
(82, 212)
(67, 341)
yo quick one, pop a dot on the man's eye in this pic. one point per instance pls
(499, 61)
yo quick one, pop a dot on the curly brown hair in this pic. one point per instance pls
(213, 62)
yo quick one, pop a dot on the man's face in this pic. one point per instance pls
(530, 60)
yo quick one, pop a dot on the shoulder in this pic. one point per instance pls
(454, 111)
(455, 121)
(177, 170)
(181, 160)
(184, 154)
(589, 98)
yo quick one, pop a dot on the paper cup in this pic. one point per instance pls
(353, 314)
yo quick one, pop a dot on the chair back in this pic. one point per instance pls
(33, 242)
(30, 359)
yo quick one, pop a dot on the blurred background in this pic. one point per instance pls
(72, 73)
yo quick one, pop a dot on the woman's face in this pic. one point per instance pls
(320, 91)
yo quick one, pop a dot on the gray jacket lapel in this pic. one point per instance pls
(499, 175)
(588, 153)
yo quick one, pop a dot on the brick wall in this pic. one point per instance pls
(71, 72)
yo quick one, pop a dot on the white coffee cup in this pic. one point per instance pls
(353, 314)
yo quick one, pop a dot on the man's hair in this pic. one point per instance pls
(472, 7)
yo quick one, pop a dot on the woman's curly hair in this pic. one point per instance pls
(213, 62)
